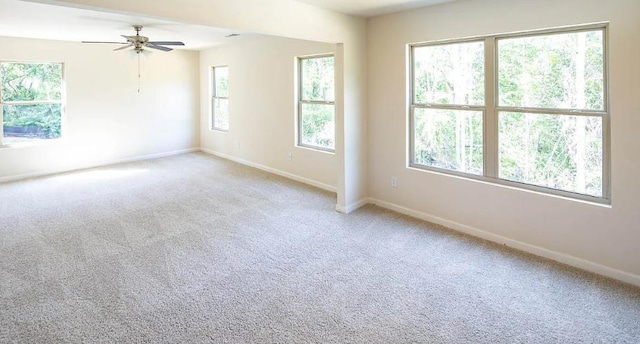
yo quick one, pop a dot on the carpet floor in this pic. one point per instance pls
(195, 249)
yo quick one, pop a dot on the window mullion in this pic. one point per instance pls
(545, 111)
(214, 93)
(490, 143)
(449, 107)
(33, 102)
(317, 102)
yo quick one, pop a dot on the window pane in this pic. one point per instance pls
(555, 151)
(449, 74)
(31, 81)
(564, 71)
(222, 81)
(318, 127)
(449, 139)
(221, 114)
(318, 77)
(31, 122)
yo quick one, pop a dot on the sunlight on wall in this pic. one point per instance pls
(86, 154)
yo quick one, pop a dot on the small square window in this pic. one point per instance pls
(31, 103)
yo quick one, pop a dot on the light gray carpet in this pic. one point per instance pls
(195, 249)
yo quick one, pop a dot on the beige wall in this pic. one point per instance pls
(552, 226)
(106, 120)
(263, 106)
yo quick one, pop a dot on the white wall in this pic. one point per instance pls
(106, 119)
(262, 107)
(609, 236)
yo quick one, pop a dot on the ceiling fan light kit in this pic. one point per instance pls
(139, 43)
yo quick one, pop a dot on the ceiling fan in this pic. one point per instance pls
(139, 43)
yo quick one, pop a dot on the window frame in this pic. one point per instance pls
(302, 101)
(62, 103)
(492, 109)
(214, 97)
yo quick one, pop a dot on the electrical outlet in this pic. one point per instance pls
(394, 182)
(290, 156)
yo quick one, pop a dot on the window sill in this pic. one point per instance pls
(518, 187)
(317, 149)
(28, 144)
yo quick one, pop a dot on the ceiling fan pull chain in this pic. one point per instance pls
(138, 72)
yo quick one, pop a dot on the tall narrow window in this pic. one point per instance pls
(31, 99)
(537, 118)
(316, 107)
(220, 98)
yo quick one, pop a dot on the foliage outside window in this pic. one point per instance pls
(316, 107)
(448, 106)
(30, 101)
(220, 98)
(536, 117)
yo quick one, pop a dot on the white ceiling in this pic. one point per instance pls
(370, 8)
(45, 21)
(36, 20)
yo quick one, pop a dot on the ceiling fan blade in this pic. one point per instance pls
(103, 42)
(158, 47)
(123, 48)
(166, 43)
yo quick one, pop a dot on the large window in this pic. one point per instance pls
(30, 101)
(528, 110)
(316, 108)
(220, 98)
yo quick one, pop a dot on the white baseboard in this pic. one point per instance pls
(155, 156)
(94, 165)
(518, 245)
(353, 206)
(297, 178)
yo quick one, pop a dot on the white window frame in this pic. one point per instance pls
(302, 101)
(35, 102)
(491, 109)
(214, 97)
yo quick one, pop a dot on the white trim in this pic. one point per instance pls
(94, 165)
(297, 178)
(353, 206)
(518, 245)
